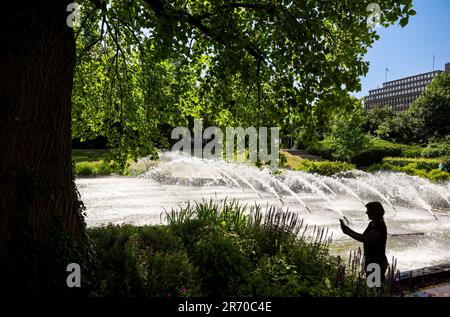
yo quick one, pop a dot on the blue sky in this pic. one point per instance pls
(408, 51)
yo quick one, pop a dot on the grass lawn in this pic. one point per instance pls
(91, 162)
(292, 161)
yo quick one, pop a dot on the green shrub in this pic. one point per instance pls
(245, 254)
(438, 176)
(420, 163)
(169, 274)
(378, 150)
(413, 151)
(217, 250)
(275, 277)
(324, 168)
(144, 261)
(222, 264)
(374, 153)
(347, 136)
(425, 168)
(93, 168)
(436, 149)
(323, 148)
(372, 156)
(100, 168)
(104, 168)
(85, 169)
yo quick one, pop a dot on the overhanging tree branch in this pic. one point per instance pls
(185, 17)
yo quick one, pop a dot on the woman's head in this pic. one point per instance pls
(375, 210)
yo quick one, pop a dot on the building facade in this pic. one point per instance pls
(399, 94)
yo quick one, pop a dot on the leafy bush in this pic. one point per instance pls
(425, 168)
(276, 277)
(418, 163)
(222, 264)
(322, 148)
(93, 168)
(146, 261)
(437, 148)
(324, 168)
(372, 156)
(101, 168)
(85, 168)
(438, 176)
(374, 153)
(396, 129)
(217, 250)
(378, 150)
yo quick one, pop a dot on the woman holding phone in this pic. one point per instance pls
(373, 238)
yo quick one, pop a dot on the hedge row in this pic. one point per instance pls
(379, 149)
(425, 168)
(427, 164)
(327, 168)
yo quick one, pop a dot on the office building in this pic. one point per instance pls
(399, 94)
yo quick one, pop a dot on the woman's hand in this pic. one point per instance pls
(344, 227)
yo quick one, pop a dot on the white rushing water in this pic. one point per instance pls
(417, 211)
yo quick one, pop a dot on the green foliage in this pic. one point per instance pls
(377, 116)
(376, 151)
(144, 261)
(430, 113)
(144, 67)
(397, 128)
(224, 267)
(387, 124)
(324, 168)
(97, 162)
(347, 137)
(217, 250)
(426, 168)
(422, 163)
(427, 118)
(92, 168)
(437, 147)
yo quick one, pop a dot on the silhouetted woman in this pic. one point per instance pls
(373, 238)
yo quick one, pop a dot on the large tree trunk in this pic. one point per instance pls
(37, 58)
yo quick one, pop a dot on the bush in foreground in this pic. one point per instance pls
(219, 250)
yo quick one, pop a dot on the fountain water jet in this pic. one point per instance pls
(176, 180)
